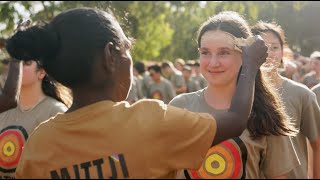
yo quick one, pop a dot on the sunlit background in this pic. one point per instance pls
(167, 30)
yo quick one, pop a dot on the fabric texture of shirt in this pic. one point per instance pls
(302, 107)
(239, 157)
(15, 128)
(117, 140)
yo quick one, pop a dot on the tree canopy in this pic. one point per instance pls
(167, 29)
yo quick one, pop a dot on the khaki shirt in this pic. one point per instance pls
(163, 90)
(192, 85)
(239, 157)
(311, 80)
(116, 140)
(316, 90)
(177, 80)
(202, 81)
(302, 106)
(15, 128)
(133, 95)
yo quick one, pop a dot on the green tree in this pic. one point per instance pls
(150, 29)
(167, 29)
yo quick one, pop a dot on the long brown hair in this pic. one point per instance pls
(268, 116)
(54, 89)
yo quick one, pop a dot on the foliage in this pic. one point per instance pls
(167, 29)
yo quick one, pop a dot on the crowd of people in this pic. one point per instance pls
(164, 80)
(74, 105)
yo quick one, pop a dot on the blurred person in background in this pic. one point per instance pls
(179, 64)
(313, 78)
(160, 88)
(192, 84)
(198, 76)
(143, 78)
(290, 69)
(175, 77)
(299, 101)
(190, 63)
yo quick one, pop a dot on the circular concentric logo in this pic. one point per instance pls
(12, 140)
(157, 95)
(224, 161)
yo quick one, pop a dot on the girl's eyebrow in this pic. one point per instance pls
(220, 48)
(224, 48)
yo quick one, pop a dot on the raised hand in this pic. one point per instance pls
(255, 54)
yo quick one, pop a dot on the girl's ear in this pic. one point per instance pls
(109, 54)
(41, 74)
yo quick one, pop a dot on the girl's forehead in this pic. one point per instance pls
(221, 40)
(270, 37)
(217, 38)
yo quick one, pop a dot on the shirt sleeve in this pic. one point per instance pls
(316, 90)
(27, 168)
(280, 157)
(180, 81)
(310, 124)
(171, 91)
(186, 138)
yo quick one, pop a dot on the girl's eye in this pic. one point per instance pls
(222, 53)
(275, 48)
(204, 53)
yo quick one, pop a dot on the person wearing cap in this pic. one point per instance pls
(198, 76)
(179, 64)
(313, 78)
(175, 77)
(160, 88)
(192, 84)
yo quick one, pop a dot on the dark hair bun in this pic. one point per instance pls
(34, 43)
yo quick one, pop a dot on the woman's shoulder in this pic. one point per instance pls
(186, 98)
(296, 88)
(54, 105)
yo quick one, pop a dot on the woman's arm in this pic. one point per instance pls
(10, 95)
(233, 122)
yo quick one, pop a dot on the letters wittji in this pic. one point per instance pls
(97, 164)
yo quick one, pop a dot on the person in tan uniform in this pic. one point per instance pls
(143, 77)
(101, 135)
(300, 102)
(160, 88)
(313, 78)
(255, 153)
(174, 76)
(191, 83)
(198, 76)
(39, 100)
(179, 64)
(316, 90)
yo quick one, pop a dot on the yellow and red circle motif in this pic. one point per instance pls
(12, 140)
(157, 95)
(223, 161)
